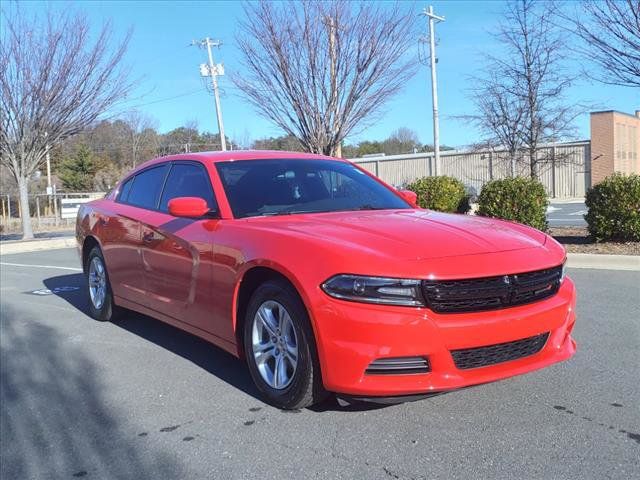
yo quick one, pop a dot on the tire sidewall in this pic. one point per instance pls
(293, 394)
(105, 313)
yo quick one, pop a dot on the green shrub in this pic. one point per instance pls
(444, 194)
(519, 199)
(614, 208)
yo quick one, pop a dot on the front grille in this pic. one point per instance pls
(398, 366)
(501, 352)
(475, 294)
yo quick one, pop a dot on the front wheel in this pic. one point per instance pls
(280, 347)
(101, 305)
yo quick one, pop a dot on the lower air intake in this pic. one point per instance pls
(499, 353)
(399, 366)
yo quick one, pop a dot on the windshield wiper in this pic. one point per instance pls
(369, 207)
(294, 212)
(287, 212)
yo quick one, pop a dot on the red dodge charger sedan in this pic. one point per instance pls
(325, 279)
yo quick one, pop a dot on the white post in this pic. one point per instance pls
(434, 86)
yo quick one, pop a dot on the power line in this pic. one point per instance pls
(160, 100)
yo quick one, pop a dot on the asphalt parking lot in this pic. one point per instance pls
(139, 399)
(564, 214)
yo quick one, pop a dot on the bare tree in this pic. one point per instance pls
(319, 69)
(500, 117)
(56, 78)
(402, 140)
(141, 133)
(520, 99)
(610, 34)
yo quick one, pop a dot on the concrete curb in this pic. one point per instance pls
(604, 262)
(8, 248)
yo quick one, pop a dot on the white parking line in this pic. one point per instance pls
(40, 266)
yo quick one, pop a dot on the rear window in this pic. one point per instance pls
(147, 185)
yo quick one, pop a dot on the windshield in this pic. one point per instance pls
(284, 187)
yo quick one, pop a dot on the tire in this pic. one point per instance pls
(101, 304)
(269, 350)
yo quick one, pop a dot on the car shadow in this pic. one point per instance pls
(57, 416)
(200, 352)
(72, 288)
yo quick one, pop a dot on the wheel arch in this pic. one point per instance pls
(89, 242)
(251, 278)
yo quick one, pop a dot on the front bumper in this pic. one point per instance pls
(352, 335)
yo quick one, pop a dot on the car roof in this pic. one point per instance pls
(238, 155)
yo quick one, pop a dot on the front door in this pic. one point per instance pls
(176, 252)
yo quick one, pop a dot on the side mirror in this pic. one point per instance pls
(410, 197)
(190, 207)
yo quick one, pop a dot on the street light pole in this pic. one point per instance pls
(433, 18)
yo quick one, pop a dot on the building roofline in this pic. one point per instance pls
(616, 111)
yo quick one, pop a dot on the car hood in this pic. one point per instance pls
(408, 234)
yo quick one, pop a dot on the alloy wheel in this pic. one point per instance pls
(275, 345)
(97, 283)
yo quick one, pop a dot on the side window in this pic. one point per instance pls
(187, 180)
(147, 186)
(124, 190)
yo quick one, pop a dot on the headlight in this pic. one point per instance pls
(380, 290)
(564, 271)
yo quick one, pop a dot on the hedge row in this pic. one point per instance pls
(613, 205)
(444, 194)
(614, 208)
(523, 200)
(520, 199)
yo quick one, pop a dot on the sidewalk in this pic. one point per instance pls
(603, 262)
(11, 237)
(43, 241)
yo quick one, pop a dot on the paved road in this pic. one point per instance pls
(566, 214)
(139, 399)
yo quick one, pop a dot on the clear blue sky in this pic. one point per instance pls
(159, 54)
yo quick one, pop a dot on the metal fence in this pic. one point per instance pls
(564, 168)
(47, 211)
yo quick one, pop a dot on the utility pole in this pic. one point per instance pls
(212, 70)
(48, 159)
(433, 18)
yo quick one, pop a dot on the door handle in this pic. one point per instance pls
(149, 237)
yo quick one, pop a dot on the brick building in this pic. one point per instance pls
(615, 144)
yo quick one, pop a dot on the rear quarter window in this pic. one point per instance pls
(124, 190)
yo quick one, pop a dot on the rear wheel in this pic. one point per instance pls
(280, 347)
(101, 305)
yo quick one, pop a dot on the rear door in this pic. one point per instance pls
(139, 207)
(120, 237)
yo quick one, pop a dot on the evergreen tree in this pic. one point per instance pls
(77, 171)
